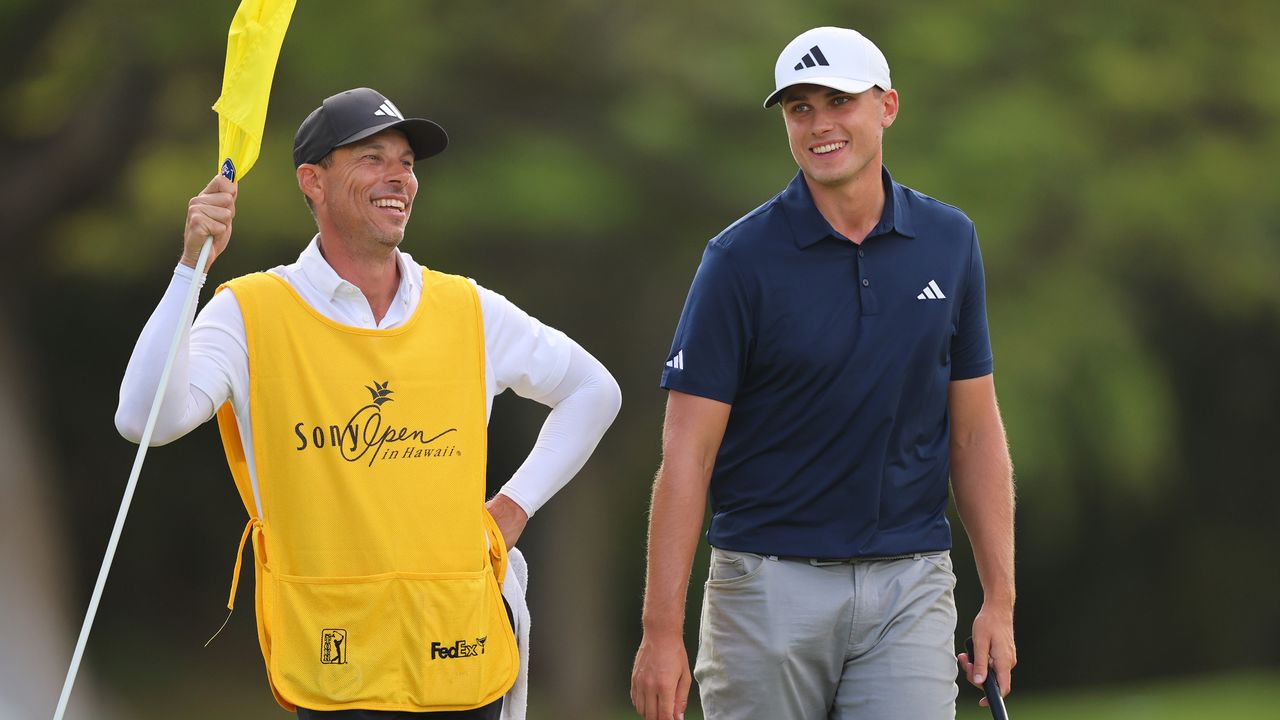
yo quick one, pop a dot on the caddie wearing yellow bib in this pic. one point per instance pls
(352, 391)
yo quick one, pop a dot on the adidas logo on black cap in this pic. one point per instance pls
(389, 110)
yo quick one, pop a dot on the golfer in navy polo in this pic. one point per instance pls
(830, 374)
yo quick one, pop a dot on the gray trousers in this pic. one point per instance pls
(784, 639)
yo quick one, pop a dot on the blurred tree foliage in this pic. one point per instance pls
(1118, 160)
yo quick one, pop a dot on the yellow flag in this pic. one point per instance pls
(253, 46)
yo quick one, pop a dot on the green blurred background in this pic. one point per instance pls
(1118, 159)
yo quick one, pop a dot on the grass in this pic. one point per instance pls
(1243, 696)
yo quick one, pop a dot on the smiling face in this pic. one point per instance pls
(364, 193)
(836, 136)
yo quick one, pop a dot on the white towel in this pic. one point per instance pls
(514, 586)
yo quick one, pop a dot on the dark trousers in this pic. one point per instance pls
(492, 711)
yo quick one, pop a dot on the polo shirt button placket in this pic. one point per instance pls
(867, 299)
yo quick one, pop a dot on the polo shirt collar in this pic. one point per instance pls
(808, 226)
(321, 275)
(318, 272)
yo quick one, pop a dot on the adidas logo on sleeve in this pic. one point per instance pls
(677, 362)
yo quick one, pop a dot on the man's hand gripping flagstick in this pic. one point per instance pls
(253, 46)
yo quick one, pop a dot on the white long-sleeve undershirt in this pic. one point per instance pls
(212, 366)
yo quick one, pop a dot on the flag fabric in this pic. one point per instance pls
(253, 46)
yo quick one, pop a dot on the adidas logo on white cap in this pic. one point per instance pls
(812, 58)
(833, 57)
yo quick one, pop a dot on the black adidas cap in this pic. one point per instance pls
(356, 114)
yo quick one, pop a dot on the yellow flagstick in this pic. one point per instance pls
(253, 46)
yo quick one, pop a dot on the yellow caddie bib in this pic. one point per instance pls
(377, 567)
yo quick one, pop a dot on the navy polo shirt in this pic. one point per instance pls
(836, 358)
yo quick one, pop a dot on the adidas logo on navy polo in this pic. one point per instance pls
(812, 58)
(677, 362)
(931, 292)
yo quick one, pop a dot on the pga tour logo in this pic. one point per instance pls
(459, 649)
(333, 646)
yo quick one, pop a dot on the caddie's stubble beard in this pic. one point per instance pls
(379, 242)
(366, 234)
(389, 239)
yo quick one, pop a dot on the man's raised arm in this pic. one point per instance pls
(209, 214)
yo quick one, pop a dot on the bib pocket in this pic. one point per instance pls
(395, 641)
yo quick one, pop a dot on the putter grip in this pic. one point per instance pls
(990, 686)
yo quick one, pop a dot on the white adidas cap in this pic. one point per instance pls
(833, 57)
